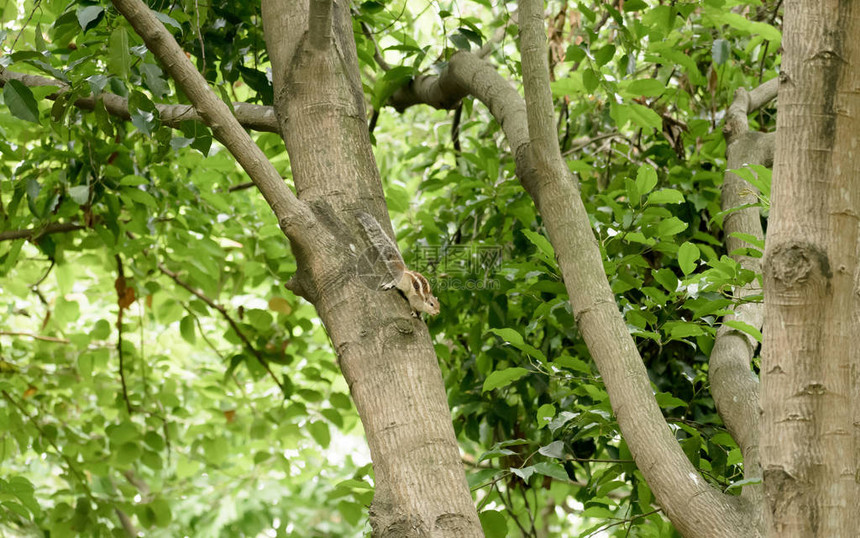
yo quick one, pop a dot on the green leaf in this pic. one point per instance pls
(89, 16)
(320, 432)
(508, 335)
(553, 450)
(667, 279)
(545, 414)
(186, 329)
(460, 41)
(122, 433)
(574, 53)
(80, 194)
(741, 23)
(24, 490)
(744, 482)
(525, 473)
(749, 238)
(503, 378)
(634, 5)
(541, 242)
(166, 20)
(371, 7)
(666, 400)
(590, 81)
(644, 117)
(666, 196)
(604, 54)
(744, 327)
(85, 365)
(680, 330)
(568, 86)
(553, 470)
(649, 87)
(139, 196)
(670, 227)
(688, 255)
(646, 179)
(720, 51)
(119, 59)
(20, 101)
(574, 363)
(494, 524)
(674, 56)
(472, 36)
(127, 453)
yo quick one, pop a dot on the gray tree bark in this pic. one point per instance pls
(810, 387)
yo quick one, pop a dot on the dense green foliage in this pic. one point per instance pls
(221, 411)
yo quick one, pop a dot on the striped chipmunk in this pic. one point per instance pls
(412, 284)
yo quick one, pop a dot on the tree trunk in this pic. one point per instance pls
(386, 356)
(810, 359)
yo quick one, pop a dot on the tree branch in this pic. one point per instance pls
(31, 233)
(377, 54)
(668, 471)
(250, 116)
(36, 337)
(539, 106)
(294, 216)
(122, 301)
(734, 387)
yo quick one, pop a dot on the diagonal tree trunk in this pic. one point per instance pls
(386, 356)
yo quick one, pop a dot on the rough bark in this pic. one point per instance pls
(810, 399)
(693, 506)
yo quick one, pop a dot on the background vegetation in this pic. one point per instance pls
(156, 372)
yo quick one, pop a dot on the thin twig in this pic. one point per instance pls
(377, 54)
(240, 186)
(235, 326)
(36, 337)
(120, 294)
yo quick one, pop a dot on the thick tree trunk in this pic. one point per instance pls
(386, 356)
(810, 400)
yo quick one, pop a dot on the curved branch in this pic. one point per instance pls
(377, 54)
(745, 103)
(255, 117)
(734, 387)
(294, 216)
